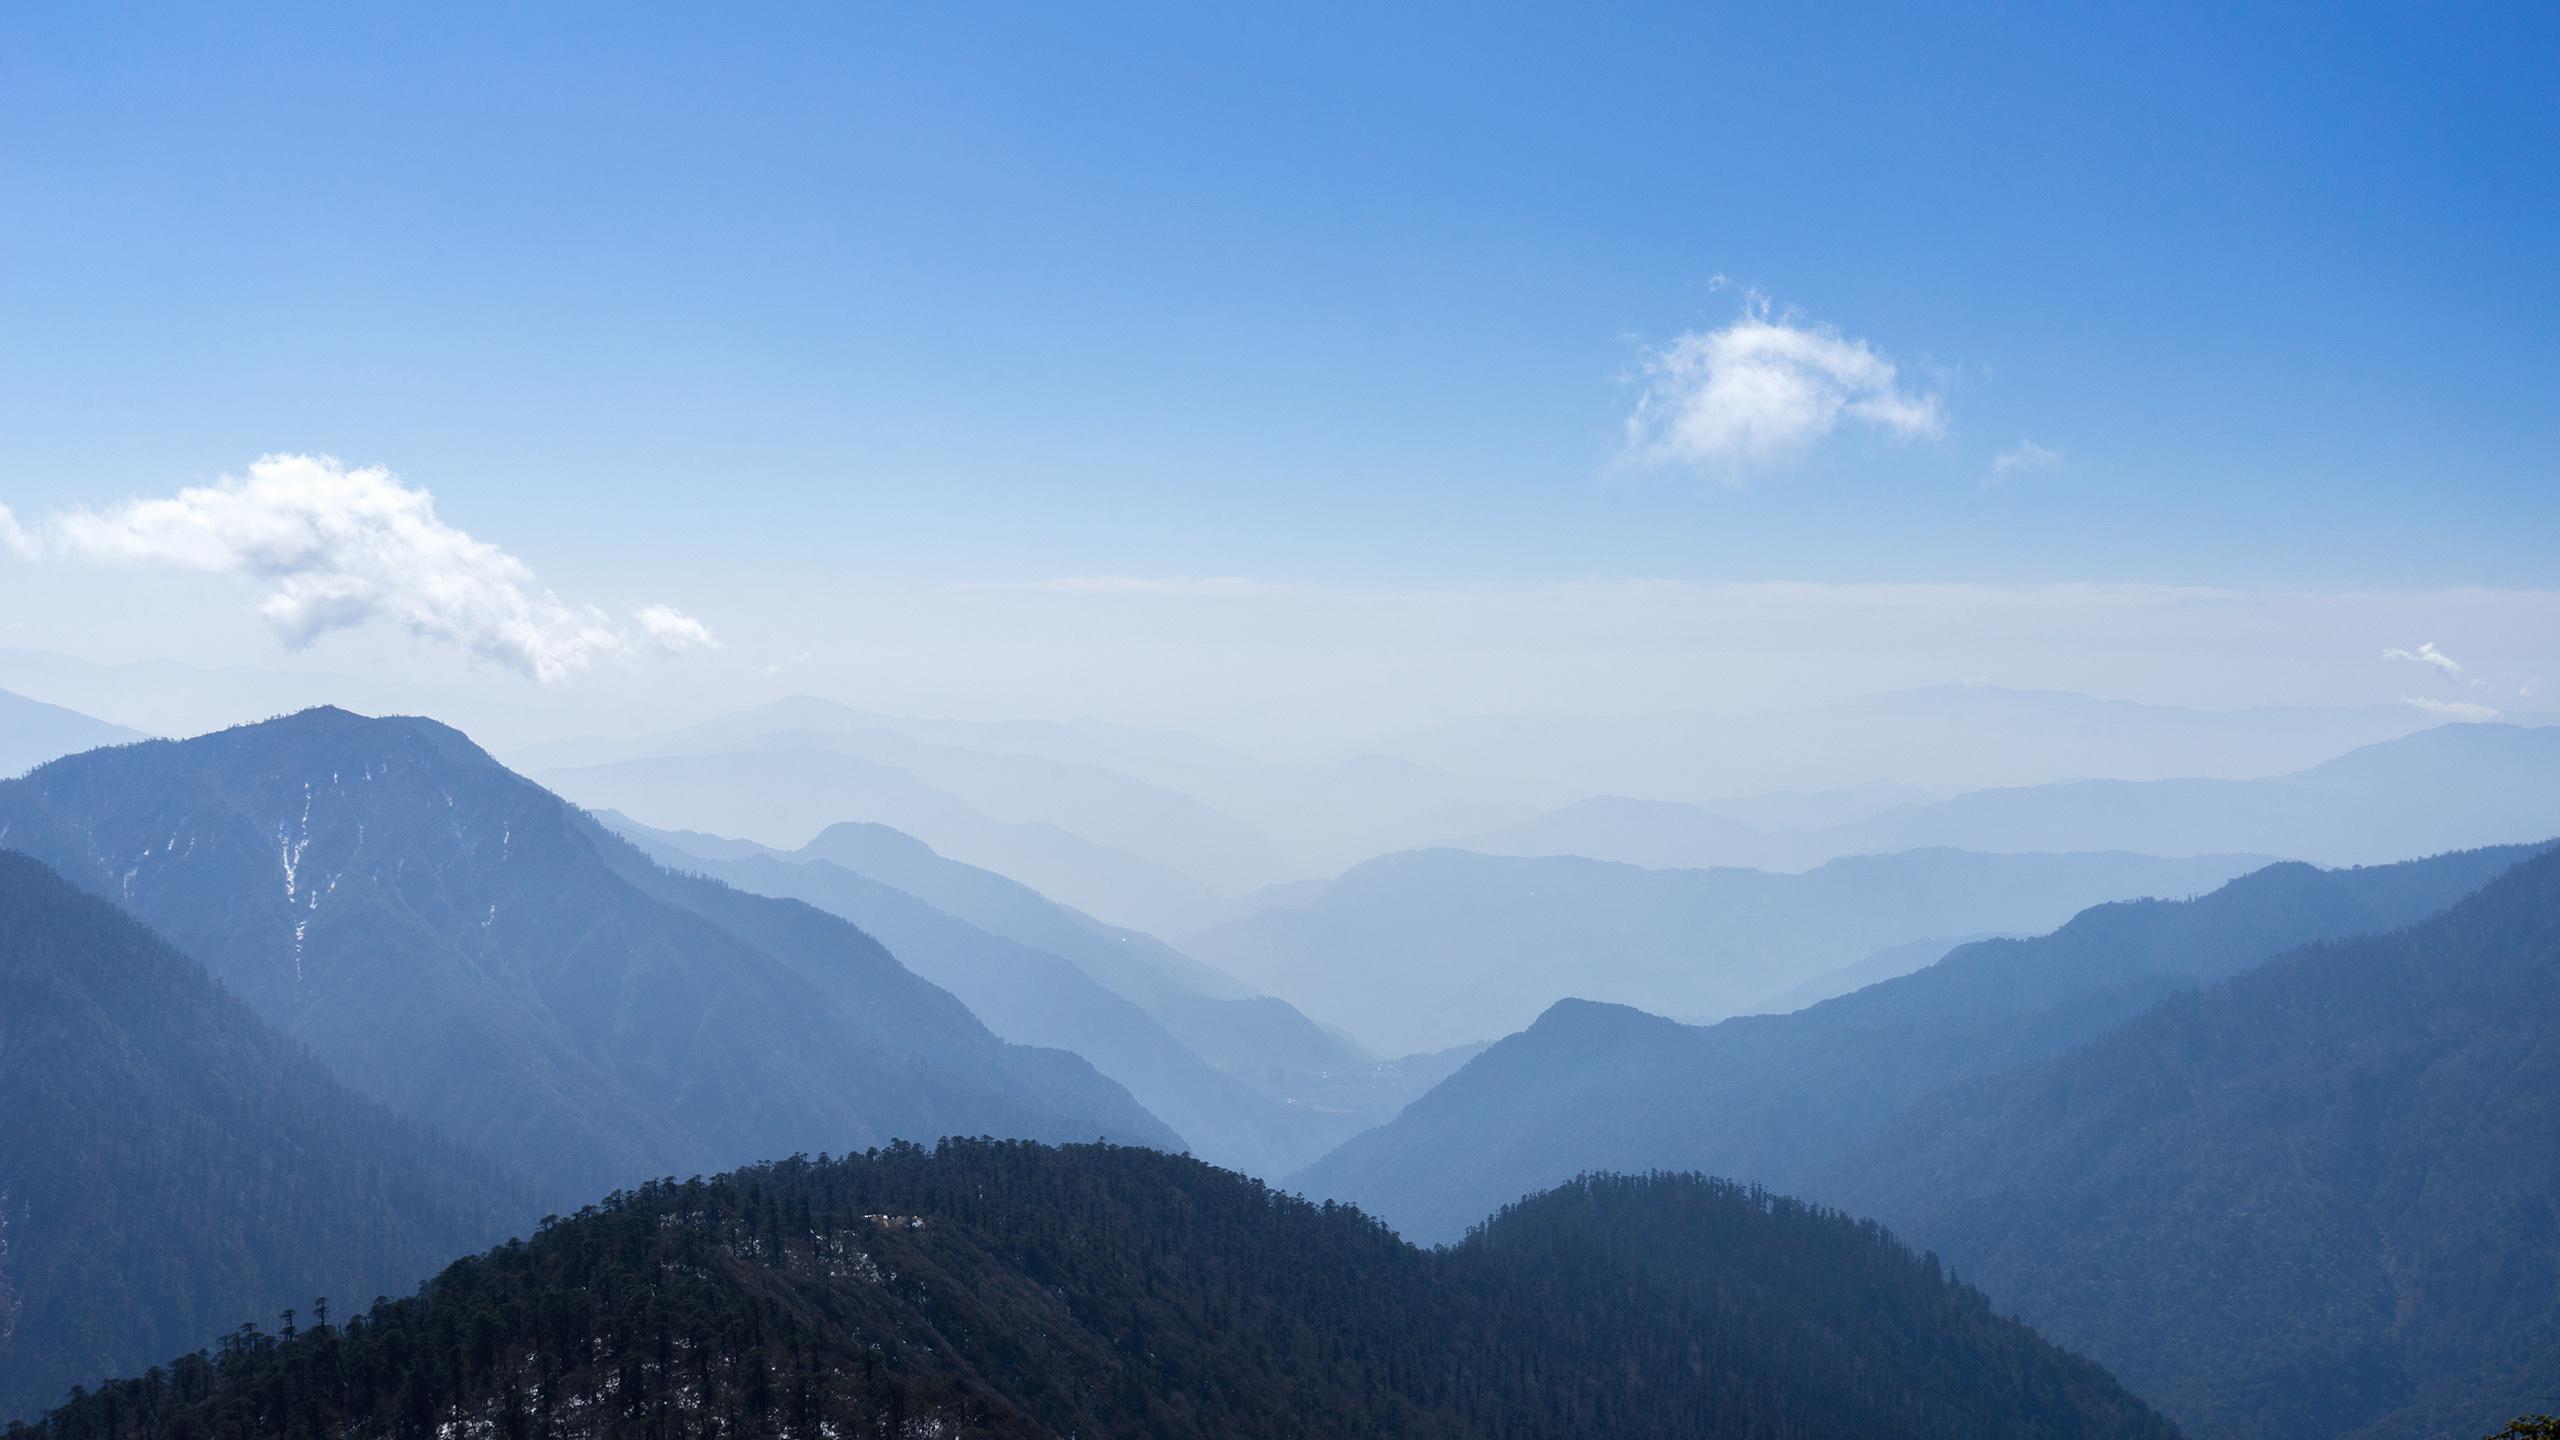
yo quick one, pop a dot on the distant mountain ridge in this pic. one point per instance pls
(1780, 1099)
(460, 944)
(1420, 951)
(1246, 1080)
(1032, 997)
(1942, 737)
(172, 1166)
(2446, 788)
(32, 732)
(782, 794)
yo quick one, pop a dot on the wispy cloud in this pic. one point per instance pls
(2426, 654)
(336, 548)
(2452, 709)
(1767, 388)
(2024, 458)
(13, 536)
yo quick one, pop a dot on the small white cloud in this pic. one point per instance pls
(13, 536)
(2426, 654)
(1767, 388)
(2452, 709)
(336, 548)
(674, 631)
(2024, 458)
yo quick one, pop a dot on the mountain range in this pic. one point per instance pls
(1421, 951)
(2279, 1155)
(1780, 1099)
(484, 959)
(1945, 738)
(1033, 996)
(2319, 1199)
(783, 794)
(2446, 788)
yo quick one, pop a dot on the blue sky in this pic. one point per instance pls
(729, 307)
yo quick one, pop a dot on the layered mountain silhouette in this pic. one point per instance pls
(1783, 1099)
(1228, 820)
(1944, 737)
(1000, 773)
(1035, 997)
(1336, 1085)
(1421, 951)
(32, 732)
(172, 1166)
(2451, 787)
(463, 946)
(2320, 1199)
(781, 793)
(1002, 1290)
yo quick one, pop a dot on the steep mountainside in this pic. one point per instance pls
(463, 946)
(1007, 1290)
(171, 1166)
(1435, 948)
(32, 732)
(1778, 1099)
(2322, 1199)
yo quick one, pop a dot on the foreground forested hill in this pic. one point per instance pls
(1008, 1289)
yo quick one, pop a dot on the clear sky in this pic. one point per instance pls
(792, 318)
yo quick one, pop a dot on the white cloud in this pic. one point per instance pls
(1766, 388)
(2025, 458)
(13, 536)
(2452, 709)
(2426, 654)
(674, 631)
(336, 548)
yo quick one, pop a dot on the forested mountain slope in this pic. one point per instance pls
(464, 946)
(1777, 1099)
(171, 1166)
(1003, 1290)
(2322, 1199)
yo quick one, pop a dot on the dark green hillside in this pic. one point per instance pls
(1002, 1289)
(170, 1165)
